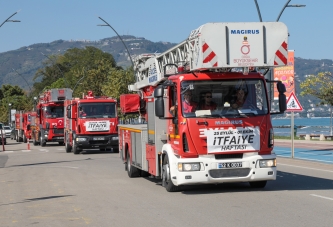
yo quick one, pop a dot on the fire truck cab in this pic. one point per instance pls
(91, 122)
(49, 123)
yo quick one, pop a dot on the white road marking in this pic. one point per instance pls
(26, 150)
(69, 167)
(306, 168)
(8, 151)
(323, 197)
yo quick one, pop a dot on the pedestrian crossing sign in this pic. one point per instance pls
(293, 103)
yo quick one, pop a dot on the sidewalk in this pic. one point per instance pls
(321, 142)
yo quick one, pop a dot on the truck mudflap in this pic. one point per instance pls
(91, 141)
(210, 170)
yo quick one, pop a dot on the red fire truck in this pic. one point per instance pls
(49, 123)
(91, 122)
(195, 129)
(23, 125)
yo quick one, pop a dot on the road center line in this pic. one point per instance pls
(306, 168)
(323, 197)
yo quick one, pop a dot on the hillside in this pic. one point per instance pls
(27, 60)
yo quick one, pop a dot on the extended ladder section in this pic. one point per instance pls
(217, 47)
(56, 95)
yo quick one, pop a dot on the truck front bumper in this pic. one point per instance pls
(214, 171)
(92, 141)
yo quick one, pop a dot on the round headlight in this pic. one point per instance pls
(187, 167)
(270, 163)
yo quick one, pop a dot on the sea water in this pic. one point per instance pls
(315, 125)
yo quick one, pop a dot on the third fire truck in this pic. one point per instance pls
(23, 125)
(184, 140)
(49, 123)
(91, 122)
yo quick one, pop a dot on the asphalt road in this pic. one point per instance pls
(48, 187)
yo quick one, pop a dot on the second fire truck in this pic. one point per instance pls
(91, 122)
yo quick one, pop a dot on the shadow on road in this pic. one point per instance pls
(47, 163)
(285, 182)
(37, 199)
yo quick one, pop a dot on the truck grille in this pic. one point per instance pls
(228, 156)
(224, 173)
(58, 131)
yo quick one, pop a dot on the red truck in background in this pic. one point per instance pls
(23, 125)
(49, 123)
(91, 122)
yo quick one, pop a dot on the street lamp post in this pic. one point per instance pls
(285, 6)
(9, 110)
(78, 83)
(7, 20)
(63, 75)
(35, 102)
(107, 24)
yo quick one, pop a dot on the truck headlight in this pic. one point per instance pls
(46, 132)
(189, 166)
(81, 139)
(266, 163)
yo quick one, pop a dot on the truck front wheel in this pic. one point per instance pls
(68, 147)
(166, 177)
(34, 142)
(42, 142)
(74, 148)
(24, 138)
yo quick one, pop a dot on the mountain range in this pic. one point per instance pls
(18, 67)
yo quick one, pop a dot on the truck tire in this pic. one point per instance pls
(131, 170)
(258, 184)
(75, 149)
(68, 147)
(34, 142)
(42, 142)
(166, 177)
(24, 138)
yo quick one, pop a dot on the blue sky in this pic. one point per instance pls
(44, 21)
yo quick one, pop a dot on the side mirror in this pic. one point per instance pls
(159, 107)
(159, 92)
(282, 98)
(28, 127)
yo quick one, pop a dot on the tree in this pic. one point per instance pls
(82, 69)
(320, 86)
(117, 82)
(16, 96)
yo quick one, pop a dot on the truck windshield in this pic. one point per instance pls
(227, 98)
(53, 111)
(97, 110)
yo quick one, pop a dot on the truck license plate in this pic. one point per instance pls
(229, 165)
(98, 138)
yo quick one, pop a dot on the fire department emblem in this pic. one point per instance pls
(245, 49)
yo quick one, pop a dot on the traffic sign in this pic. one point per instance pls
(293, 103)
